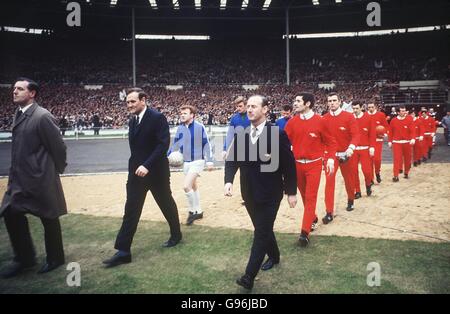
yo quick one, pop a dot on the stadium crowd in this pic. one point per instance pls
(212, 73)
(78, 105)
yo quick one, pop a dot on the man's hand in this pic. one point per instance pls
(209, 165)
(420, 138)
(371, 151)
(330, 166)
(224, 155)
(349, 152)
(412, 142)
(141, 171)
(228, 189)
(292, 200)
(390, 145)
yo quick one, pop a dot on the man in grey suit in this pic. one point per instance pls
(38, 156)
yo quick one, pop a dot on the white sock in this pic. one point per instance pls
(191, 196)
(197, 208)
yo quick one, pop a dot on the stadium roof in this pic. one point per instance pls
(220, 18)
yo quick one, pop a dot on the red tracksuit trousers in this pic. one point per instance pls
(308, 181)
(427, 145)
(402, 156)
(362, 157)
(376, 159)
(418, 150)
(348, 172)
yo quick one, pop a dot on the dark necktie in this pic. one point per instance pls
(19, 113)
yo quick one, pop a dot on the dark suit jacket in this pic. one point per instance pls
(38, 156)
(257, 185)
(149, 142)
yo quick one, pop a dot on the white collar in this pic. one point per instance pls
(400, 118)
(360, 116)
(307, 115)
(372, 113)
(25, 108)
(336, 113)
(259, 127)
(141, 114)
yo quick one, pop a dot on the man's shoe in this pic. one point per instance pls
(49, 266)
(117, 260)
(350, 206)
(419, 162)
(303, 240)
(314, 224)
(400, 171)
(245, 281)
(327, 219)
(424, 159)
(369, 190)
(172, 242)
(192, 217)
(15, 269)
(378, 178)
(395, 179)
(415, 164)
(269, 264)
(406, 176)
(357, 195)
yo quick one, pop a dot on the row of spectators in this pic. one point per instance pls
(78, 106)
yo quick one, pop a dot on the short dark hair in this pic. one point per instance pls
(308, 97)
(402, 107)
(357, 103)
(334, 94)
(32, 85)
(140, 91)
(287, 108)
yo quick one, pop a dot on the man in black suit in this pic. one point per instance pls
(267, 168)
(148, 169)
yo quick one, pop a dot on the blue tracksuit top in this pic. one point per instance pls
(193, 142)
(236, 120)
(282, 122)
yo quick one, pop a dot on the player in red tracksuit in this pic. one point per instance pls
(311, 143)
(430, 130)
(343, 127)
(401, 139)
(378, 118)
(365, 148)
(418, 145)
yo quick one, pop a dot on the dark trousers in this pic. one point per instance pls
(137, 189)
(22, 244)
(264, 241)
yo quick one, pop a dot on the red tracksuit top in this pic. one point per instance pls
(342, 125)
(419, 128)
(429, 124)
(366, 127)
(402, 129)
(310, 138)
(379, 118)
